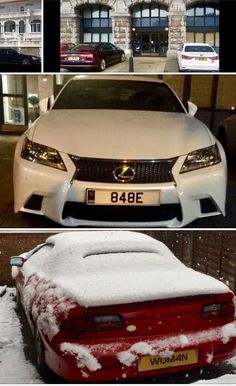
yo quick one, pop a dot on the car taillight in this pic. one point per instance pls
(214, 58)
(186, 57)
(87, 56)
(218, 310)
(108, 322)
(63, 56)
(92, 323)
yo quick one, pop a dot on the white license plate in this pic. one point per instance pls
(119, 197)
(74, 58)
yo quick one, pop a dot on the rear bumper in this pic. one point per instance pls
(198, 65)
(77, 65)
(119, 360)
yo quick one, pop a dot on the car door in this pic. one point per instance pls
(116, 53)
(4, 56)
(107, 53)
(13, 57)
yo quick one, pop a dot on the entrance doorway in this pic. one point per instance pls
(150, 44)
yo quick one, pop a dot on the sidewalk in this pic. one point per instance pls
(143, 64)
(171, 65)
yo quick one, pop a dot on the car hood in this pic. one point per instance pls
(120, 134)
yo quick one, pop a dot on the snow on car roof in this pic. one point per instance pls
(115, 267)
(97, 242)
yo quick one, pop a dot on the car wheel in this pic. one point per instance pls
(25, 62)
(40, 357)
(122, 58)
(103, 65)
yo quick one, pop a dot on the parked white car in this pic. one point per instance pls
(119, 151)
(198, 57)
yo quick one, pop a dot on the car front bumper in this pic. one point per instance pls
(193, 195)
(119, 359)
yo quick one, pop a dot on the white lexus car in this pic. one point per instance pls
(198, 57)
(119, 151)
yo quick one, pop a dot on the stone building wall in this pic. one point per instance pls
(121, 20)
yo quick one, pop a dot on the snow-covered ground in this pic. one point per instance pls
(15, 368)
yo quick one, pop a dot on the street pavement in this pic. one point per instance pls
(142, 64)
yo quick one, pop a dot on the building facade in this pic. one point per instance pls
(151, 27)
(20, 25)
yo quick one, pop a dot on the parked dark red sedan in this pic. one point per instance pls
(110, 305)
(92, 56)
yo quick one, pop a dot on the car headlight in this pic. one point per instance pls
(41, 154)
(201, 158)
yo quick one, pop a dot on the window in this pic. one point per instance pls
(21, 27)
(149, 16)
(96, 24)
(36, 26)
(9, 26)
(203, 25)
(204, 16)
(13, 100)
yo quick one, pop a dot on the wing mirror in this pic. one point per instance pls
(46, 103)
(16, 261)
(192, 108)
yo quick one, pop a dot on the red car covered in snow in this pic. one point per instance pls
(106, 305)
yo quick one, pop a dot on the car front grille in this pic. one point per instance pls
(82, 211)
(147, 171)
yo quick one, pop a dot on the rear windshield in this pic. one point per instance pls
(84, 47)
(118, 95)
(198, 49)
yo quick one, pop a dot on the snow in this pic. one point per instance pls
(162, 346)
(83, 355)
(14, 368)
(115, 267)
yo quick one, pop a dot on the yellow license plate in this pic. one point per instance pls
(179, 358)
(73, 58)
(201, 58)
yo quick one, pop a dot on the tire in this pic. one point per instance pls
(41, 365)
(102, 65)
(122, 58)
(25, 62)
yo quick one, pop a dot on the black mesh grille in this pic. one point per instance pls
(97, 170)
(82, 211)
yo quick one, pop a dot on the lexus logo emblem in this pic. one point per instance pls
(124, 173)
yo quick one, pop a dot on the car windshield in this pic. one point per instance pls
(118, 95)
(198, 49)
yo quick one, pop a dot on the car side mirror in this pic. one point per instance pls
(16, 261)
(46, 103)
(192, 108)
